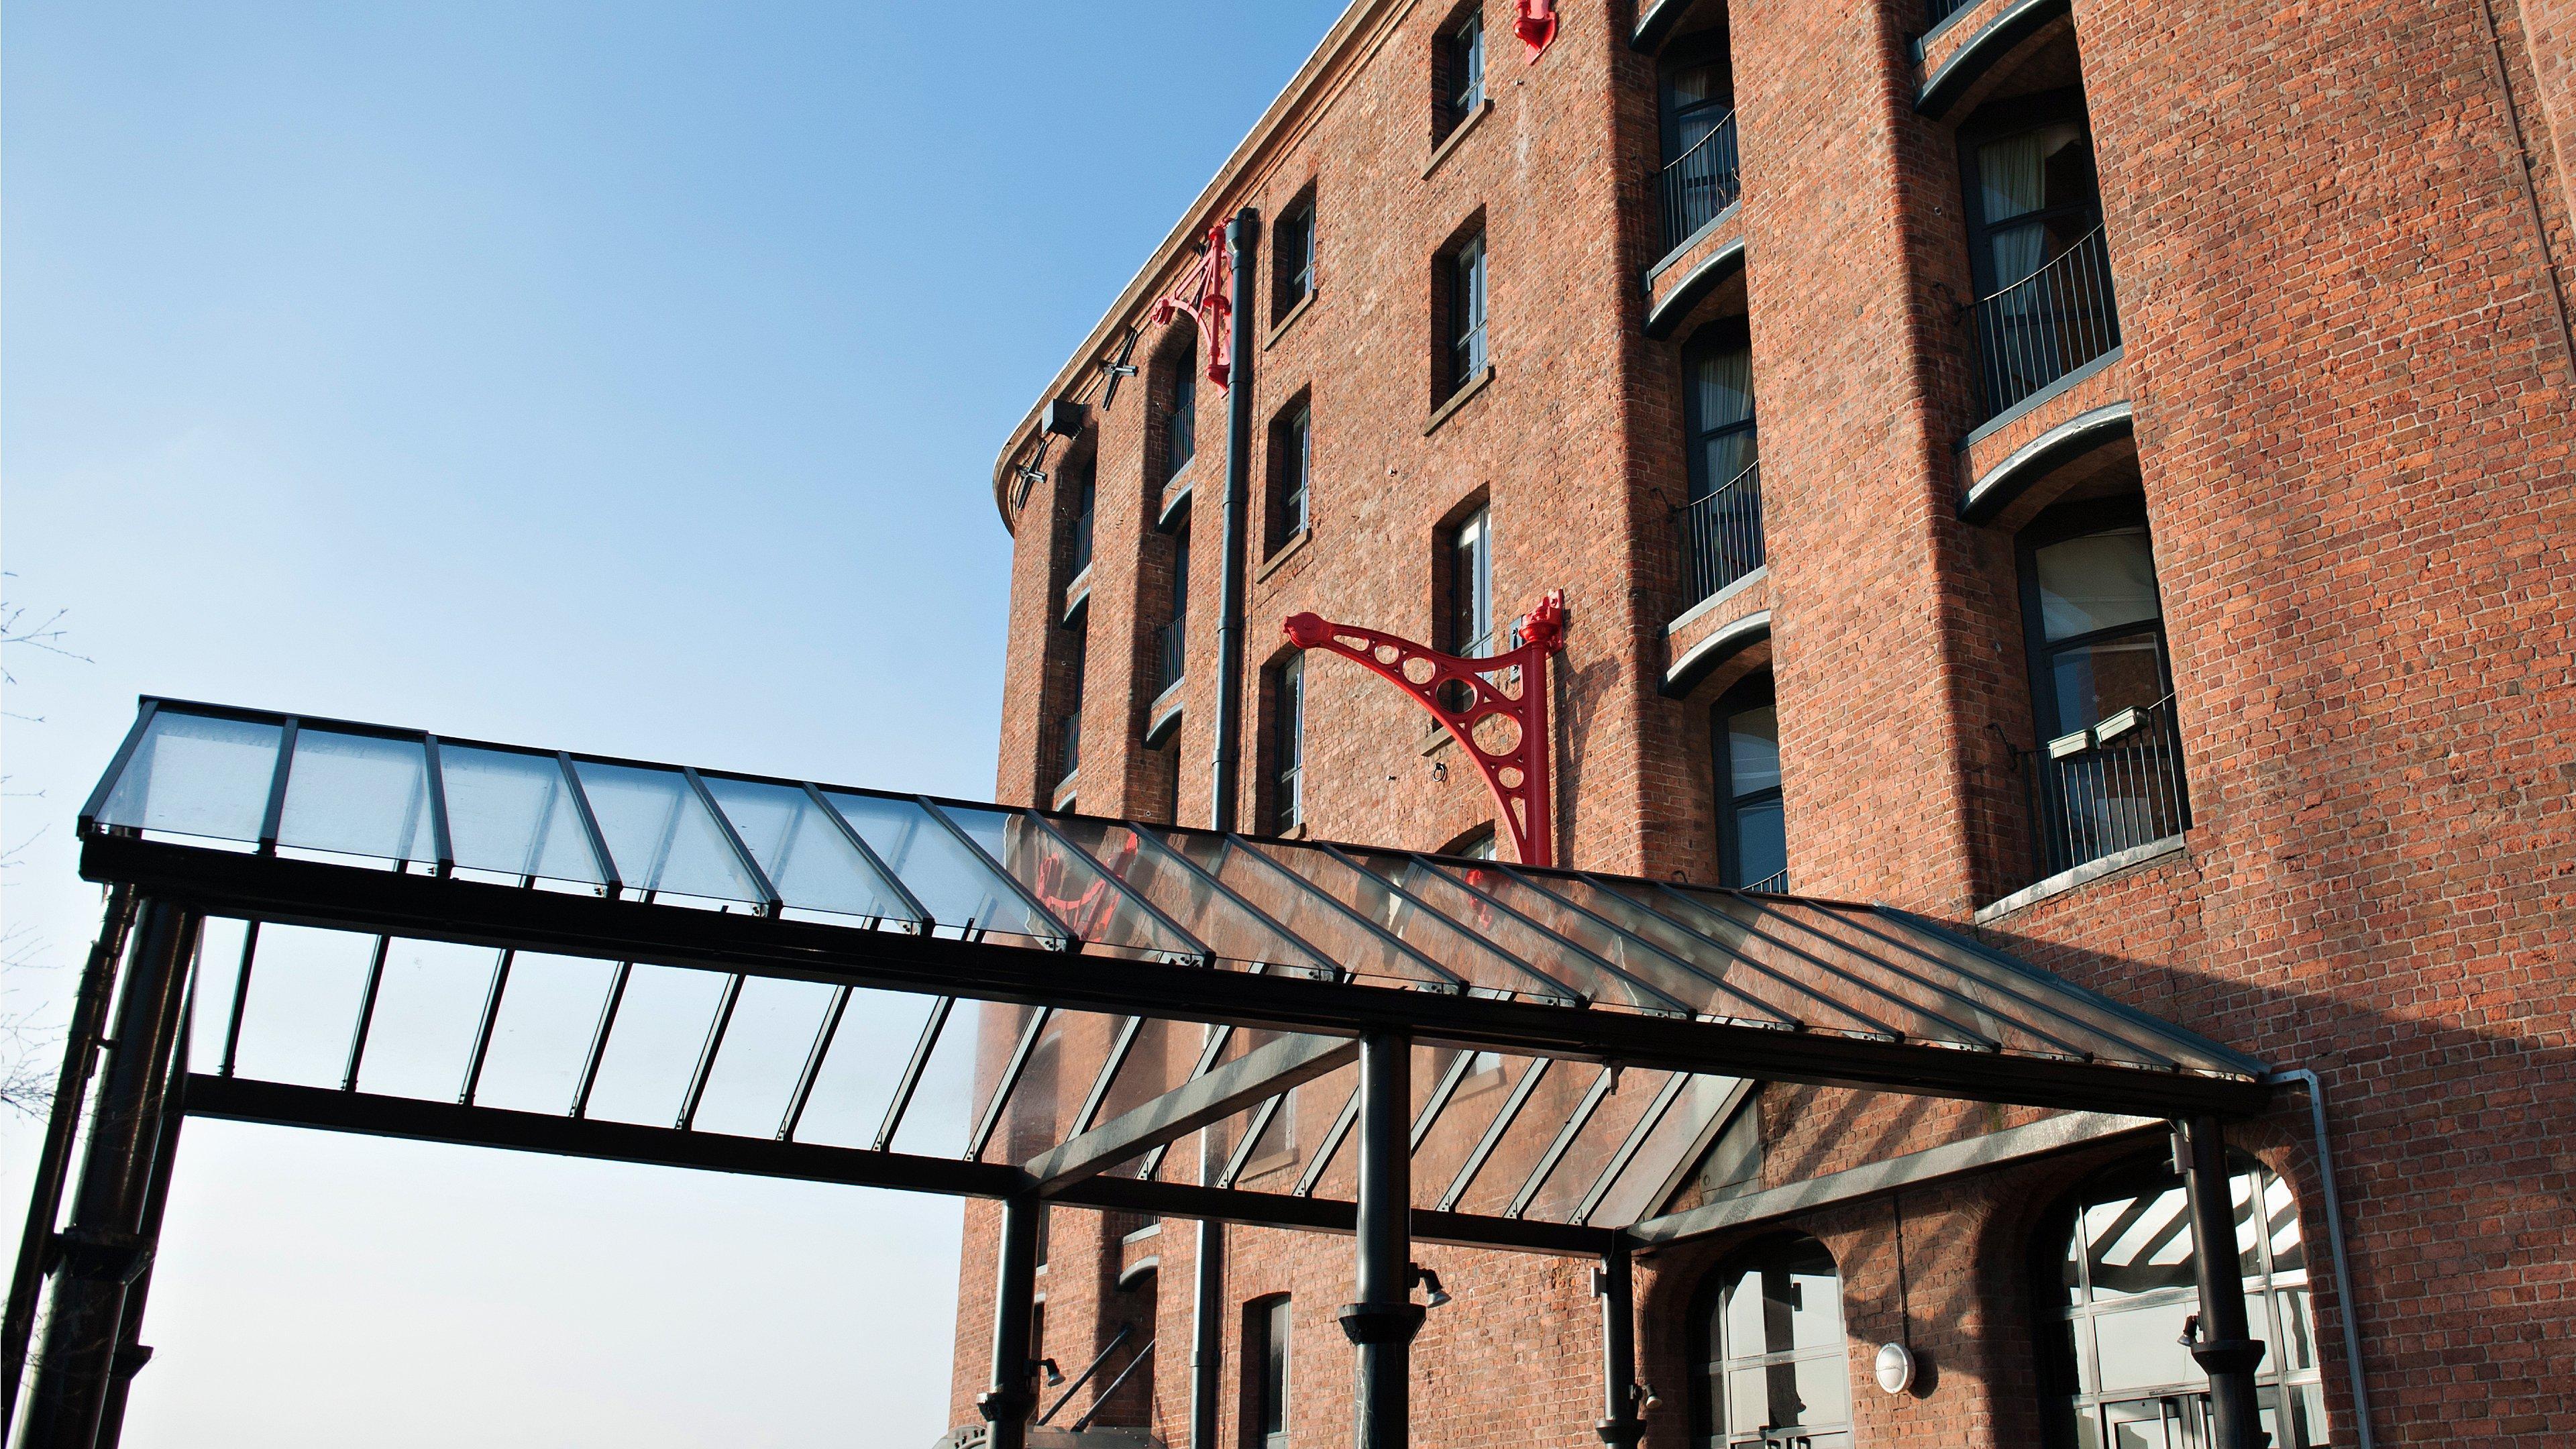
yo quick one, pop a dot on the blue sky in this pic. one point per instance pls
(620, 377)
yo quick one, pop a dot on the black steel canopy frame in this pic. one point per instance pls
(1125, 919)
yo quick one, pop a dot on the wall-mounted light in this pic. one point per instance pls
(1054, 1375)
(1895, 1367)
(1425, 1278)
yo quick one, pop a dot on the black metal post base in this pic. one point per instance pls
(1005, 1406)
(1620, 1433)
(1381, 1322)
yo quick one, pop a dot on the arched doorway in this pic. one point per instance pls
(1775, 1364)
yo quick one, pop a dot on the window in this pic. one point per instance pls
(1771, 1342)
(1464, 354)
(1265, 1369)
(1292, 464)
(1467, 598)
(1292, 261)
(1461, 72)
(1718, 409)
(2108, 774)
(1700, 176)
(1077, 480)
(1069, 723)
(1744, 745)
(2121, 1289)
(2032, 188)
(1171, 638)
(1288, 746)
(1181, 418)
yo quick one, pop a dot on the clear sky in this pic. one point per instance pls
(621, 377)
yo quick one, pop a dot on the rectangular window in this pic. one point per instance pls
(1293, 259)
(1265, 1373)
(1288, 746)
(1172, 647)
(1069, 725)
(1467, 313)
(1181, 429)
(1462, 57)
(1084, 499)
(1292, 462)
(1471, 588)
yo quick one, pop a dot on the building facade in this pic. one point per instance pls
(2095, 474)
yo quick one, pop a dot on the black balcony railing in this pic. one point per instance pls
(1721, 536)
(1776, 883)
(1164, 654)
(1936, 11)
(1068, 750)
(2046, 325)
(2111, 788)
(1700, 183)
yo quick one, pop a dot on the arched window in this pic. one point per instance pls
(1696, 106)
(1181, 415)
(1773, 1354)
(1744, 750)
(2121, 1290)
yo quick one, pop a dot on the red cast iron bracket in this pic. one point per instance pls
(1519, 774)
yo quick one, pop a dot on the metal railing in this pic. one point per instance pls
(1721, 536)
(1936, 11)
(1068, 752)
(1776, 883)
(2111, 788)
(2046, 325)
(1163, 654)
(1700, 183)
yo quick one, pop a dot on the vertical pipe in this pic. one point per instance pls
(1239, 238)
(105, 1248)
(2223, 1345)
(53, 1158)
(1013, 1395)
(1620, 1427)
(1382, 1323)
(1207, 1331)
(131, 1355)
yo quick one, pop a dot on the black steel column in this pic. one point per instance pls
(1013, 1397)
(54, 1157)
(131, 1354)
(1382, 1323)
(1207, 1335)
(1239, 237)
(2224, 1347)
(1619, 1427)
(106, 1246)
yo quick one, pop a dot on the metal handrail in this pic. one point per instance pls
(2114, 787)
(1165, 652)
(1721, 535)
(1936, 11)
(2046, 325)
(1700, 183)
(1774, 884)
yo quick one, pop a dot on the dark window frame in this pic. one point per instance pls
(1289, 505)
(2001, 121)
(1725, 334)
(1459, 65)
(1751, 692)
(1466, 346)
(1286, 737)
(2061, 524)
(1292, 256)
(1685, 53)
(1176, 390)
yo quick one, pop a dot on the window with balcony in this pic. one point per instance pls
(1169, 647)
(1177, 391)
(2107, 775)
(1721, 524)
(1292, 257)
(1084, 499)
(2124, 1286)
(1266, 1328)
(1458, 72)
(1744, 746)
(1772, 1350)
(1291, 473)
(2036, 248)
(1700, 177)
(1073, 652)
(1288, 745)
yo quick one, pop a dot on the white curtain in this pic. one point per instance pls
(2013, 176)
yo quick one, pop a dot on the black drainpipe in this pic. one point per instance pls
(1207, 1273)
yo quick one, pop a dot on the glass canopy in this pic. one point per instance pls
(804, 1046)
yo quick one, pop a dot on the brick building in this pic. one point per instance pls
(2097, 475)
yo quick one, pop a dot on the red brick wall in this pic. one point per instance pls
(2340, 240)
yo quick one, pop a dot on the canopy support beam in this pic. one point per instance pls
(108, 1244)
(1615, 1285)
(1263, 1072)
(1013, 1396)
(1382, 1323)
(2221, 1341)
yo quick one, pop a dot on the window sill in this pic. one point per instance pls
(1458, 399)
(1150, 1230)
(1457, 133)
(2082, 875)
(1077, 592)
(1175, 494)
(1164, 713)
(1065, 790)
(1295, 545)
(1289, 318)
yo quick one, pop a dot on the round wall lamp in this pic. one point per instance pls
(1895, 1367)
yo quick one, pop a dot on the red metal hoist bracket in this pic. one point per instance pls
(1518, 774)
